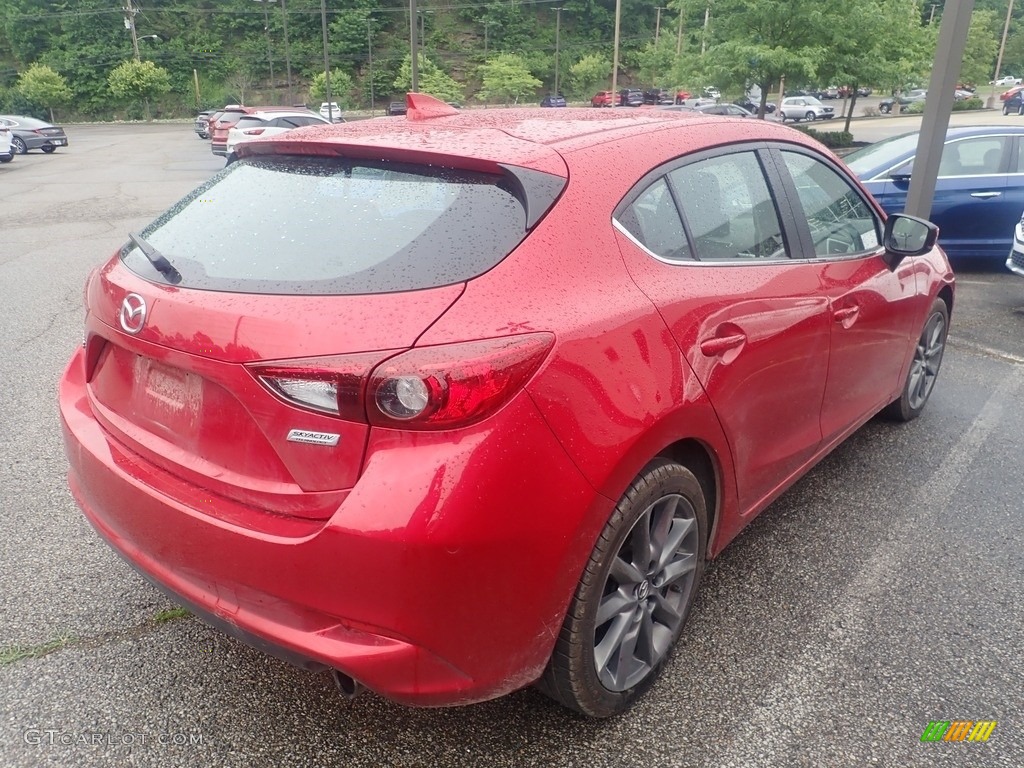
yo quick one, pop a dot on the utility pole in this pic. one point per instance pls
(369, 59)
(931, 16)
(657, 24)
(195, 79)
(327, 65)
(1002, 47)
(414, 69)
(129, 24)
(615, 57)
(704, 35)
(287, 51)
(679, 35)
(558, 36)
(266, 33)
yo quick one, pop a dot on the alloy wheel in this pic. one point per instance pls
(927, 359)
(646, 593)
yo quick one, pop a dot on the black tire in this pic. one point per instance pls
(665, 501)
(1006, 110)
(924, 368)
(48, 150)
(809, 117)
(6, 159)
(1020, 109)
(18, 145)
(885, 109)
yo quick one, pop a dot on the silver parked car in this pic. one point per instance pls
(808, 108)
(30, 133)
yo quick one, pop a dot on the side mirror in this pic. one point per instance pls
(907, 236)
(903, 172)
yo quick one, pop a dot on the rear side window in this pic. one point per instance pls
(248, 122)
(308, 225)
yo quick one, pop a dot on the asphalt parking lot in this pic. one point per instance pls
(882, 592)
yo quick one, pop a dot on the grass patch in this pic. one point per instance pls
(170, 615)
(19, 652)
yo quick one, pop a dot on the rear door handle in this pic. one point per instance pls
(721, 344)
(985, 195)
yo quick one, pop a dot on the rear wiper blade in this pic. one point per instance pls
(163, 266)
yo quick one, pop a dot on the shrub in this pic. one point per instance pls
(831, 139)
(972, 103)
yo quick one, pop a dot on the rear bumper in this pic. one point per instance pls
(441, 579)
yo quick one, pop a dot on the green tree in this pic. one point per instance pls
(432, 79)
(134, 80)
(591, 73)
(761, 41)
(43, 86)
(341, 88)
(981, 48)
(506, 77)
(656, 62)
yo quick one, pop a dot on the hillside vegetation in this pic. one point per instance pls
(69, 55)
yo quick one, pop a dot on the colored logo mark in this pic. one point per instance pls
(958, 730)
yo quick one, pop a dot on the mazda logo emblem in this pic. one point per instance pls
(133, 313)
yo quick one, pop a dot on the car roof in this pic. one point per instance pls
(25, 120)
(269, 113)
(529, 138)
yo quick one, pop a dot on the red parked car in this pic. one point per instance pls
(602, 99)
(491, 436)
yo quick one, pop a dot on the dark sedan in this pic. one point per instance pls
(30, 133)
(727, 110)
(752, 106)
(979, 193)
(553, 100)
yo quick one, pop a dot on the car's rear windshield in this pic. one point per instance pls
(311, 225)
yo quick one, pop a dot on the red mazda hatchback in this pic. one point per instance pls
(462, 402)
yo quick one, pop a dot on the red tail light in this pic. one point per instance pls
(438, 387)
(455, 384)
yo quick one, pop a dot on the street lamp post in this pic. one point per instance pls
(327, 64)
(414, 70)
(615, 56)
(287, 51)
(558, 36)
(657, 23)
(369, 60)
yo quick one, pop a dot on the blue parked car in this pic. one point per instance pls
(979, 194)
(553, 100)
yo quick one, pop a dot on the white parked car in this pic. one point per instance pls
(804, 108)
(331, 110)
(1015, 262)
(6, 153)
(260, 123)
(1006, 80)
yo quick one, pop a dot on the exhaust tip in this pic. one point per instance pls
(348, 687)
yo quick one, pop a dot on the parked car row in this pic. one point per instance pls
(634, 97)
(228, 127)
(20, 134)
